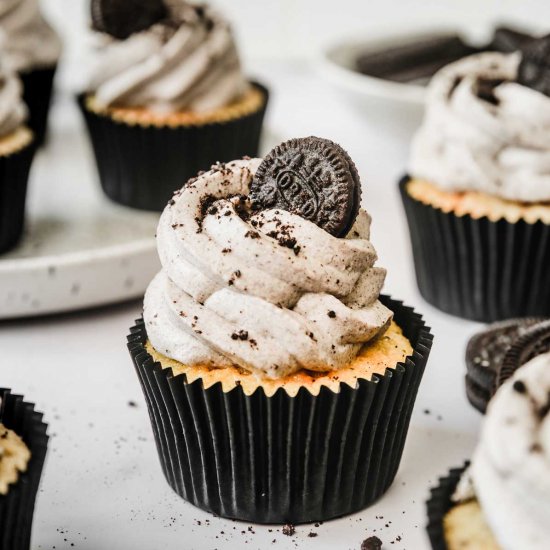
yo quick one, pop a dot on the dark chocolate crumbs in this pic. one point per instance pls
(289, 530)
(519, 386)
(372, 543)
(331, 314)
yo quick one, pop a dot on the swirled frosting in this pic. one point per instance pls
(28, 40)
(187, 62)
(13, 111)
(484, 132)
(14, 458)
(511, 466)
(270, 292)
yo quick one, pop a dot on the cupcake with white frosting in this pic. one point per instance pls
(17, 147)
(501, 500)
(32, 49)
(265, 342)
(167, 98)
(478, 193)
(23, 444)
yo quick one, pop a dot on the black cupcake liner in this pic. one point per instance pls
(17, 506)
(476, 268)
(283, 459)
(534, 342)
(14, 175)
(142, 166)
(37, 94)
(439, 504)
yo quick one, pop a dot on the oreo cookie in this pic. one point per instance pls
(122, 18)
(485, 354)
(312, 177)
(534, 68)
(534, 341)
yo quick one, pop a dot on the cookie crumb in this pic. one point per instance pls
(289, 530)
(372, 543)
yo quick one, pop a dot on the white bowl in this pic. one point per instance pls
(337, 63)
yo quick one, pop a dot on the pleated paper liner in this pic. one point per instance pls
(476, 268)
(37, 94)
(439, 504)
(535, 341)
(283, 459)
(142, 166)
(14, 175)
(17, 507)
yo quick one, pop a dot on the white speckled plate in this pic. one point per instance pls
(79, 249)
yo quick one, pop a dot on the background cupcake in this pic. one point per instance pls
(23, 444)
(32, 50)
(500, 502)
(279, 382)
(16, 154)
(167, 98)
(478, 203)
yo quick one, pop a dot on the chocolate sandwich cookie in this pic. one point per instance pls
(122, 18)
(485, 354)
(508, 40)
(312, 177)
(534, 68)
(415, 59)
(533, 342)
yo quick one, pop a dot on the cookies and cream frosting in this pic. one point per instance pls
(188, 61)
(483, 131)
(27, 39)
(14, 458)
(13, 111)
(511, 466)
(268, 291)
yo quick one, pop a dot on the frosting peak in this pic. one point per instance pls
(484, 131)
(13, 110)
(188, 61)
(28, 40)
(511, 466)
(268, 291)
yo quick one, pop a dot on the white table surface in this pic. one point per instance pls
(103, 488)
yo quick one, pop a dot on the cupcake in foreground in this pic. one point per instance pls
(32, 50)
(280, 383)
(478, 195)
(16, 154)
(167, 98)
(501, 501)
(23, 444)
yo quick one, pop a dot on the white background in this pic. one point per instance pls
(103, 488)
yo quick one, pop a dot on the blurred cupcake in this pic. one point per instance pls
(167, 98)
(280, 384)
(23, 444)
(16, 154)
(501, 501)
(478, 195)
(32, 50)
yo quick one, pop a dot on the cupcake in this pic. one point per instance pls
(280, 383)
(23, 443)
(32, 50)
(501, 501)
(167, 98)
(16, 154)
(478, 195)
